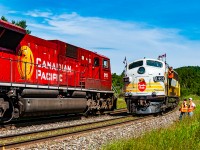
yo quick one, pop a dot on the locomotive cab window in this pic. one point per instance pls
(96, 62)
(105, 64)
(135, 64)
(10, 35)
(154, 63)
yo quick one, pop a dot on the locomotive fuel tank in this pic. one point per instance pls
(41, 100)
(34, 93)
(67, 105)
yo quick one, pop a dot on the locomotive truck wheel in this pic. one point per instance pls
(101, 112)
(8, 115)
(162, 113)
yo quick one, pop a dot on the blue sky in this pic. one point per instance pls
(116, 28)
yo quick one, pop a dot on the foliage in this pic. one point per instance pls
(4, 19)
(117, 82)
(181, 135)
(189, 78)
(121, 103)
(21, 23)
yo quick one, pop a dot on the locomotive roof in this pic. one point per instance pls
(59, 41)
(10, 26)
(22, 32)
(148, 59)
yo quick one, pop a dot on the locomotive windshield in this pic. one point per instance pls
(10, 35)
(105, 64)
(154, 63)
(135, 64)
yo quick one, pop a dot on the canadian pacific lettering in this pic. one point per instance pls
(47, 74)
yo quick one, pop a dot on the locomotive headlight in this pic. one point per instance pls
(141, 70)
(126, 79)
(153, 94)
(128, 94)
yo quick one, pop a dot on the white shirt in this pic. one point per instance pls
(193, 105)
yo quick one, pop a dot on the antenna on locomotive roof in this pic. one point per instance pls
(125, 63)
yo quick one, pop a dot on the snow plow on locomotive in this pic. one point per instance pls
(148, 89)
(40, 77)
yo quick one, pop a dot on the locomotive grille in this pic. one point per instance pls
(71, 51)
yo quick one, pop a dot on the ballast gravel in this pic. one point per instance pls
(95, 139)
(40, 127)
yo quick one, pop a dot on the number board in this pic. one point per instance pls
(159, 78)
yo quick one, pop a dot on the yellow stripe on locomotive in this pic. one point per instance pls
(146, 82)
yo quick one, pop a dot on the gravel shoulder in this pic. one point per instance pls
(95, 139)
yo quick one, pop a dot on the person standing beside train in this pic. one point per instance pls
(170, 75)
(191, 107)
(183, 109)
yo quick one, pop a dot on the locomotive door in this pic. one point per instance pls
(93, 80)
(84, 74)
(95, 68)
(106, 75)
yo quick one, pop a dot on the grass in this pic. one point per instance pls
(121, 103)
(182, 135)
(195, 97)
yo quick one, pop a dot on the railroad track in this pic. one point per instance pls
(57, 118)
(13, 141)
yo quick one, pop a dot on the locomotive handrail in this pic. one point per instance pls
(12, 79)
(77, 75)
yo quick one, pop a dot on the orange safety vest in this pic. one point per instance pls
(190, 108)
(184, 108)
(170, 74)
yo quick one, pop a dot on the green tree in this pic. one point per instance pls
(21, 23)
(4, 19)
(117, 82)
(189, 78)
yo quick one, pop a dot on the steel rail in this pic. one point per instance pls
(13, 140)
(36, 137)
(47, 119)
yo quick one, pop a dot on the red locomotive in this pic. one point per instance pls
(42, 77)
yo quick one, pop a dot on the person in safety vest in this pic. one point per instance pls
(183, 109)
(191, 107)
(170, 75)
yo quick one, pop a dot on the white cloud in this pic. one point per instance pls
(38, 13)
(130, 39)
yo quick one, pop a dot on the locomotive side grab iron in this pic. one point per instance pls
(39, 77)
(147, 88)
